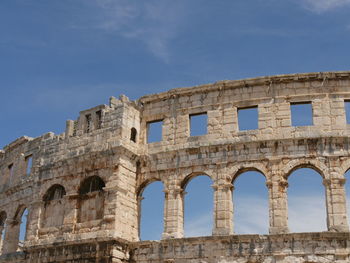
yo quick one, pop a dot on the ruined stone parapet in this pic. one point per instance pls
(84, 187)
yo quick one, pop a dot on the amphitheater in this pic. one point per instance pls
(81, 190)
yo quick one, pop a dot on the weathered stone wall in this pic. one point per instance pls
(109, 142)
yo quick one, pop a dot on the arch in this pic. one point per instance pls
(91, 184)
(246, 169)
(306, 199)
(150, 200)
(344, 168)
(197, 218)
(133, 134)
(53, 210)
(191, 176)
(91, 201)
(294, 165)
(55, 192)
(22, 222)
(251, 201)
(144, 184)
(236, 170)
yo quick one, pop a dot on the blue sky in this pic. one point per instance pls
(62, 56)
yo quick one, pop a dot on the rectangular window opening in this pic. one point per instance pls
(198, 124)
(248, 118)
(88, 123)
(29, 164)
(10, 168)
(301, 114)
(154, 131)
(98, 119)
(347, 111)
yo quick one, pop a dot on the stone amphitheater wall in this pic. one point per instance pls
(109, 143)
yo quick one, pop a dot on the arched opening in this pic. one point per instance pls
(55, 192)
(53, 207)
(151, 211)
(306, 201)
(133, 134)
(251, 203)
(23, 228)
(91, 199)
(91, 184)
(198, 206)
(347, 193)
(3, 218)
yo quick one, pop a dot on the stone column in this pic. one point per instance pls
(173, 213)
(10, 243)
(33, 221)
(223, 209)
(336, 205)
(278, 205)
(70, 211)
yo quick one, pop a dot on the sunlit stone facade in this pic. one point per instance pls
(84, 189)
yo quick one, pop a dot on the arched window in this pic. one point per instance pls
(151, 209)
(23, 228)
(306, 200)
(91, 202)
(198, 205)
(3, 217)
(54, 209)
(133, 134)
(251, 205)
(91, 184)
(55, 192)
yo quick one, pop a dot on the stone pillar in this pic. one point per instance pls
(223, 209)
(70, 211)
(10, 243)
(33, 221)
(173, 213)
(278, 205)
(336, 205)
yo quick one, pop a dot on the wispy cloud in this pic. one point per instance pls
(153, 23)
(321, 6)
(201, 225)
(251, 216)
(312, 209)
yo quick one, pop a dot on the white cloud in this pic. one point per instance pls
(321, 6)
(307, 213)
(199, 226)
(251, 215)
(153, 23)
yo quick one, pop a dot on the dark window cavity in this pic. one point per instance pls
(91, 184)
(98, 119)
(154, 131)
(133, 134)
(248, 118)
(55, 192)
(198, 124)
(88, 123)
(301, 114)
(10, 168)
